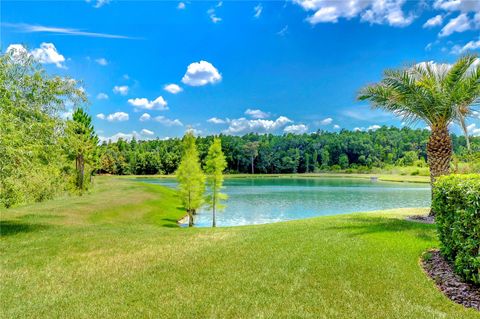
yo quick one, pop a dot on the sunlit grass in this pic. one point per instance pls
(118, 253)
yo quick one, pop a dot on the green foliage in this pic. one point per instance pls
(81, 146)
(31, 128)
(456, 202)
(191, 179)
(215, 164)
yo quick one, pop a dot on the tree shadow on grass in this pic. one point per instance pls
(12, 227)
(371, 225)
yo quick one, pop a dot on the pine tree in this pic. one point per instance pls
(81, 145)
(214, 167)
(191, 179)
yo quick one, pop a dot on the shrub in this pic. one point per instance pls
(456, 202)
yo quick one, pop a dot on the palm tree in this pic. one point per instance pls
(438, 94)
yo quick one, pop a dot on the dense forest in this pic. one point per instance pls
(289, 153)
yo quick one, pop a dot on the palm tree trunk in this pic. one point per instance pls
(439, 154)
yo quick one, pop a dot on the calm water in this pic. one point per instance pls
(259, 201)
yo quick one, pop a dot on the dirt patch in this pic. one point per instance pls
(421, 219)
(449, 282)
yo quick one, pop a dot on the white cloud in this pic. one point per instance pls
(457, 5)
(120, 89)
(102, 96)
(172, 88)
(257, 114)
(359, 129)
(283, 31)
(146, 132)
(470, 46)
(29, 28)
(143, 103)
(102, 61)
(458, 24)
(101, 116)
(216, 120)
(17, 51)
(117, 117)
(181, 6)
(326, 121)
(120, 135)
(373, 11)
(257, 10)
(296, 129)
(433, 22)
(243, 125)
(373, 127)
(145, 117)
(336, 126)
(476, 114)
(473, 130)
(213, 16)
(201, 73)
(48, 54)
(168, 122)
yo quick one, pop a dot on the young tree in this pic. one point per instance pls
(81, 144)
(191, 180)
(251, 149)
(215, 164)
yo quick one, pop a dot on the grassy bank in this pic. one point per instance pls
(381, 177)
(117, 253)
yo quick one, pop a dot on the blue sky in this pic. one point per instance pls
(236, 67)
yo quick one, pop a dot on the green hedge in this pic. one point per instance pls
(456, 203)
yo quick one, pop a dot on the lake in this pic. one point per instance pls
(269, 200)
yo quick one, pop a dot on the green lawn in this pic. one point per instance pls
(118, 253)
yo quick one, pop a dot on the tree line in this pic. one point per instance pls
(288, 153)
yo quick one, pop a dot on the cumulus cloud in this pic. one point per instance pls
(102, 61)
(181, 6)
(336, 126)
(373, 11)
(102, 96)
(172, 88)
(257, 114)
(373, 127)
(296, 129)
(168, 122)
(257, 10)
(201, 73)
(120, 135)
(121, 89)
(469, 46)
(143, 103)
(46, 54)
(326, 121)
(473, 130)
(458, 24)
(101, 116)
(216, 120)
(433, 22)
(457, 5)
(243, 125)
(146, 132)
(145, 117)
(117, 117)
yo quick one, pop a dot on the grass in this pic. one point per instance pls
(382, 176)
(117, 253)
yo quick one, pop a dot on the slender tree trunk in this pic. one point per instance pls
(439, 154)
(190, 218)
(465, 131)
(214, 223)
(252, 158)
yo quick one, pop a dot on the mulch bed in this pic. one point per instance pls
(450, 283)
(422, 219)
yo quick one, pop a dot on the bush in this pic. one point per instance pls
(456, 203)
